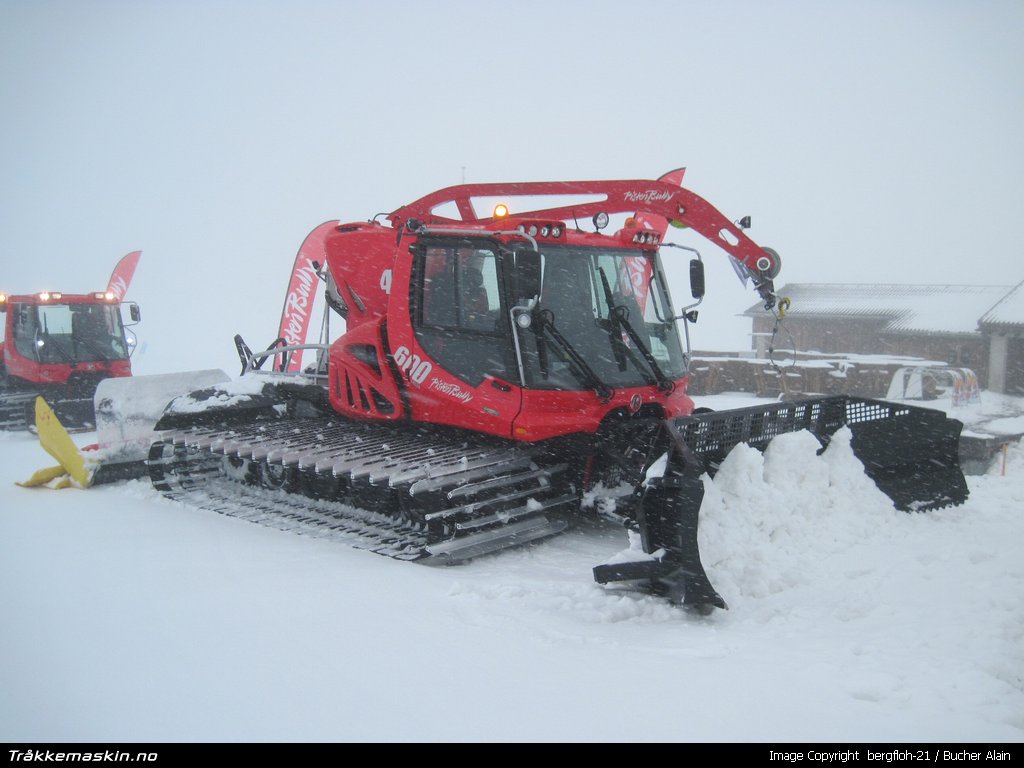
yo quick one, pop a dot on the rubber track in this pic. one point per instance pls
(13, 409)
(321, 519)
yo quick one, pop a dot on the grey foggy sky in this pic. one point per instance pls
(869, 141)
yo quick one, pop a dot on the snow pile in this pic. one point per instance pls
(769, 520)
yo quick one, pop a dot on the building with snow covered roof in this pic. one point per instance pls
(980, 327)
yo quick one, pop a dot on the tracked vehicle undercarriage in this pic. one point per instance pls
(412, 494)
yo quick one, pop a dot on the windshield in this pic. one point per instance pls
(68, 333)
(599, 302)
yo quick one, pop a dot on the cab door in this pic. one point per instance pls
(459, 367)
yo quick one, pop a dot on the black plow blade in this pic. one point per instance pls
(911, 454)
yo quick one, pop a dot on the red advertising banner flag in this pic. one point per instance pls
(298, 301)
(122, 275)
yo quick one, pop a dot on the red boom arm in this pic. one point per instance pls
(680, 206)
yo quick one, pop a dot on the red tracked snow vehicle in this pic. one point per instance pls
(498, 365)
(60, 346)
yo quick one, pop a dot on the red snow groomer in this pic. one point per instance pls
(60, 346)
(507, 358)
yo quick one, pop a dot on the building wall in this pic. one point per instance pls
(997, 359)
(822, 335)
(956, 351)
(1006, 358)
(865, 337)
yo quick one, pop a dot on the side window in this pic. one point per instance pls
(458, 321)
(25, 330)
(460, 289)
(438, 288)
(479, 303)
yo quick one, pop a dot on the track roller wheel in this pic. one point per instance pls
(273, 477)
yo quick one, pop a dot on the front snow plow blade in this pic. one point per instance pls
(911, 453)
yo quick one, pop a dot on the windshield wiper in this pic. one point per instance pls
(614, 324)
(545, 319)
(619, 317)
(49, 344)
(94, 347)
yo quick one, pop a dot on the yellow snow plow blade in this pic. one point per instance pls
(58, 443)
(46, 477)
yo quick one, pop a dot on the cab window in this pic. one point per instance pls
(457, 311)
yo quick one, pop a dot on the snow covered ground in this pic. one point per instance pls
(130, 618)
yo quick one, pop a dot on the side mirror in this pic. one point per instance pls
(135, 312)
(697, 278)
